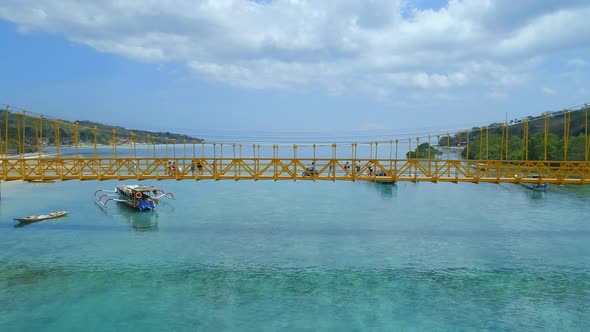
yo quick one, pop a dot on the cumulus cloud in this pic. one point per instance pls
(426, 81)
(378, 45)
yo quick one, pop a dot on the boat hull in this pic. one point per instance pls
(130, 198)
(535, 187)
(136, 196)
(37, 218)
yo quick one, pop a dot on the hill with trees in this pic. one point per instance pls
(47, 131)
(566, 138)
(424, 150)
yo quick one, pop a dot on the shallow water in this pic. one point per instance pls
(297, 255)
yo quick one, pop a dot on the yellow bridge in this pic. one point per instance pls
(34, 148)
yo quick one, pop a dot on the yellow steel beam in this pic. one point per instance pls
(433, 170)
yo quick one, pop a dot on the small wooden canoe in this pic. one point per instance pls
(31, 219)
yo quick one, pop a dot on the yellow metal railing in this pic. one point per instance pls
(23, 154)
(379, 170)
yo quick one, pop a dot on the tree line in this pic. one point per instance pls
(566, 139)
(34, 131)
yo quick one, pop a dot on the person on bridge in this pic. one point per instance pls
(170, 169)
(347, 168)
(200, 167)
(311, 169)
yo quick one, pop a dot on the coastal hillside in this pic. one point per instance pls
(44, 132)
(504, 141)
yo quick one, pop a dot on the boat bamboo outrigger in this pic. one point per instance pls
(137, 196)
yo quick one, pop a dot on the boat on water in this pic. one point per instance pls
(382, 177)
(538, 186)
(137, 196)
(535, 186)
(35, 218)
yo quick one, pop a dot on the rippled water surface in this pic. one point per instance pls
(297, 256)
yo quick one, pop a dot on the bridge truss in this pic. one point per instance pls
(468, 156)
(379, 170)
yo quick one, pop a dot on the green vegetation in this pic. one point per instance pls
(47, 131)
(491, 143)
(424, 150)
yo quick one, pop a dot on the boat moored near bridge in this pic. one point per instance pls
(538, 186)
(382, 177)
(137, 196)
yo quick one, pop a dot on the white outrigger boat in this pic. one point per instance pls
(137, 196)
(35, 218)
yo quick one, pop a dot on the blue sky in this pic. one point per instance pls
(238, 69)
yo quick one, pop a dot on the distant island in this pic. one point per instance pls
(44, 133)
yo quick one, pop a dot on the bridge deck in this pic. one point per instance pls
(380, 170)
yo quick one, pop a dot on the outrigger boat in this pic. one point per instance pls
(382, 177)
(536, 186)
(32, 219)
(137, 196)
(539, 186)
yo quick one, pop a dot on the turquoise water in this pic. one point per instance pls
(254, 256)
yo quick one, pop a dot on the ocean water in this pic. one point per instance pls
(266, 256)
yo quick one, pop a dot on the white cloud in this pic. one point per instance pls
(548, 91)
(558, 30)
(427, 81)
(378, 46)
(577, 62)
